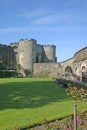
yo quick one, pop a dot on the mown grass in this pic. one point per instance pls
(25, 101)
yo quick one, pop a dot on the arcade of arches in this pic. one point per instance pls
(80, 73)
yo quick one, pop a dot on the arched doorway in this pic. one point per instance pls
(84, 74)
(68, 72)
(37, 59)
(68, 69)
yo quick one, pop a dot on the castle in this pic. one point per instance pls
(26, 53)
(42, 58)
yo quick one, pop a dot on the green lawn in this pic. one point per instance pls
(24, 101)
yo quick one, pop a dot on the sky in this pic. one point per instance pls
(62, 23)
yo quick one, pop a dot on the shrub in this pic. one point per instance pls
(7, 73)
(43, 74)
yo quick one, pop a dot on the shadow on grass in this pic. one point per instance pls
(30, 94)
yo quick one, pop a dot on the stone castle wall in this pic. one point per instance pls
(80, 55)
(7, 56)
(52, 68)
(74, 68)
(42, 58)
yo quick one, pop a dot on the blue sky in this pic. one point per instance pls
(59, 22)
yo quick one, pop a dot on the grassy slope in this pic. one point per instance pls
(27, 101)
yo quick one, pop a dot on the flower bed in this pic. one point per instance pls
(66, 123)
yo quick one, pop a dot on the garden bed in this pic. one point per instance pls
(66, 123)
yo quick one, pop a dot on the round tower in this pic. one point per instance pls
(49, 53)
(26, 53)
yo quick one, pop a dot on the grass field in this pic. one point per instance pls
(24, 101)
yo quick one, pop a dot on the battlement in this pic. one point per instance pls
(49, 46)
(14, 43)
(2, 45)
(26, 39)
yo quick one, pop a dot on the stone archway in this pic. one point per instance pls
(84, 73)
(68, 69)
(68, 72)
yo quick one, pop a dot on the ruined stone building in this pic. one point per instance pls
(42, 58)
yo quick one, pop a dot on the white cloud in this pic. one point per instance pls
(32, 14)
(44, 28)
(45, 20)
(14, 29)
(47, 17)
(40, 18)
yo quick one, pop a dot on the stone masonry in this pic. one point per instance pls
(71, 69)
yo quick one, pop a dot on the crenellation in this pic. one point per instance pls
(48, 45)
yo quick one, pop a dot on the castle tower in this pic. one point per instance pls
(26, 55)
(49, 53)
